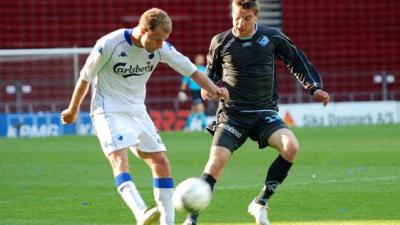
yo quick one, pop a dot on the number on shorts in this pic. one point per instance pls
(272, 118)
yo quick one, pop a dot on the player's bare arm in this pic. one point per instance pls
(321, 96)
(213, 91)
(70, 114)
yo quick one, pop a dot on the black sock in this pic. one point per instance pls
(211, 181)
(277, 172)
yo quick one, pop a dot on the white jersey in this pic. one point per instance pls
(120, 71)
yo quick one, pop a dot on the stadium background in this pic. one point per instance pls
(347, 175)
(348, 41)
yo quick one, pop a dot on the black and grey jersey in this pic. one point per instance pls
(246, 67)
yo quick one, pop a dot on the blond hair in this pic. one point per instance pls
(155, 17)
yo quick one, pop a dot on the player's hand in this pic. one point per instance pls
(68, 116)
(321, 96)
(182, 97)
(221, 93)
(205, 95)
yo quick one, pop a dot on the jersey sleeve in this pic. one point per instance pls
(214, 61)
(95, 61)
(297, 63)
(176, 60)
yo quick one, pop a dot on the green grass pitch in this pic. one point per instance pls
(343, 175)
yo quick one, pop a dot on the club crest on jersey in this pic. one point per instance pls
(150, 55)
(129, 70)
(263, 40)
(123, 54)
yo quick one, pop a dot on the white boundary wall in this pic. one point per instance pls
(341, 114)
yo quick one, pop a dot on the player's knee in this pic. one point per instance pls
(291, 150)
(294, 148)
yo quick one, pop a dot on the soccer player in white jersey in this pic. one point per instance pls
(120, 65)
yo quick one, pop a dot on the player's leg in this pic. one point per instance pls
(124, 183)
(163, 184)
(199, 108)
(190, 118)
(286, 143)
(272, 131)
(152, 151)
(115, 137)
(219, 157)
(201, 115)
(227, 138)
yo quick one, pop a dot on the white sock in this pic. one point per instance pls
(132, 198)
(163, 190)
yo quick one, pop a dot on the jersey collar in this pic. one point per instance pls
(249, 37)
(128, 35)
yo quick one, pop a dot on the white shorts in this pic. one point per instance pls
(123, 130)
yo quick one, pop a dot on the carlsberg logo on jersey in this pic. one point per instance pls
(129, 70)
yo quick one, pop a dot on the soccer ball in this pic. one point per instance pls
(192, 195)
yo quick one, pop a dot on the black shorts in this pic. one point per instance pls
(231, 129)
(196, 97)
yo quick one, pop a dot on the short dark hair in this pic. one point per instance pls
(247, 4)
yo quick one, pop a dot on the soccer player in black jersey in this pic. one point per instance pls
(242, 60)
